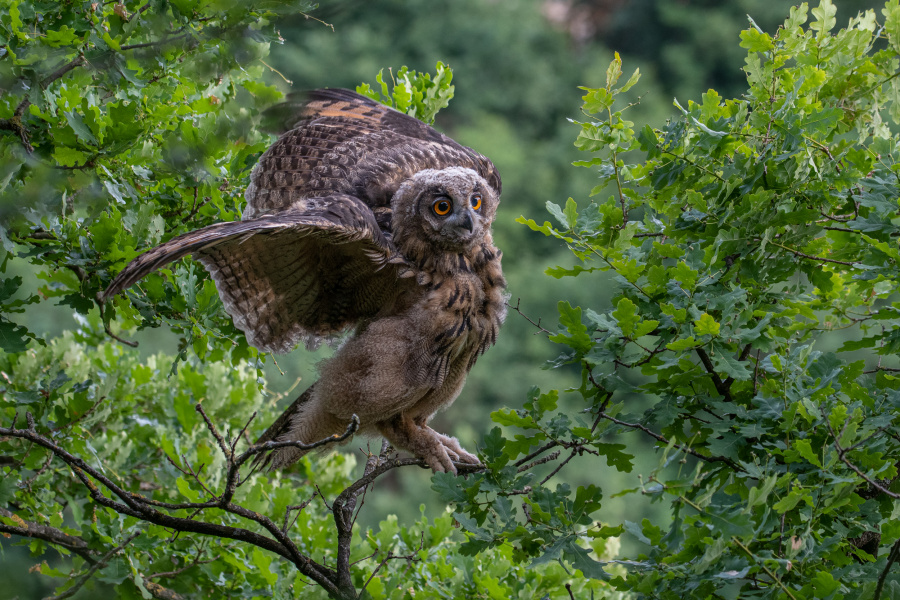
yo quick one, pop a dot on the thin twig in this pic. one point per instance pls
(764, 567)
(94, 568)
(540, 461)
(558, 467)
(540, 450)
(527, 318)
(682, 447)
(811, 257)
(842, 454)
(893, 557)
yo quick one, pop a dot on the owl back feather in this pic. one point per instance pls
(340, 141)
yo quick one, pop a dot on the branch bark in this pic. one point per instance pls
(48, 534)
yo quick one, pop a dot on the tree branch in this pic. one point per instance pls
(48, 534)
(893, 557)
(146, 509)
(661, 439)
(842, 454)
(723, 387)
(811, 257)
(342, 508)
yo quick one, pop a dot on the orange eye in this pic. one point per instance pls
(441, 207)
(475, 201)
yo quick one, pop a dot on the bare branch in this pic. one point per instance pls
(342, 508)
(540, 461)
(558, 467)
(527, 318)
(136, 505)
(537, 452)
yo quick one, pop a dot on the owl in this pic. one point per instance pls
(360, 220)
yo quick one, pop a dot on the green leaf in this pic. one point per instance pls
(706, 325)
(791, 500)
(756, 41)
(263, 563)
(824, 582)
(626, 316)
(824, 14)
(8, 488)
(448, 488)
(645, 328)
(581, 560)
(571, 213)
(724, 361)
(760, 493)
(82, 131)
(13, 337)
(613, 71)
(615, 457)
(185, 489)
(683, 344)
(69, 157)
(570, 318)
(804, 448)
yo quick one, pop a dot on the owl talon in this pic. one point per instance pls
(440, 461)
(455, 451)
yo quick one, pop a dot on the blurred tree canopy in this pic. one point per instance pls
(740, 235)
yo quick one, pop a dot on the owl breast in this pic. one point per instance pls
(464, 313)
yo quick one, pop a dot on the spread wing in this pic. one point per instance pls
(340, 141)
(298, 274)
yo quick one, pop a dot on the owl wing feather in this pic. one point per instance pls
(339, 141)
(294, 275)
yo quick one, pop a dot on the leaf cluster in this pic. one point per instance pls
(754, 251)
(123, 124)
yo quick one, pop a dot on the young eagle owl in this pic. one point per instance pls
(360, 217)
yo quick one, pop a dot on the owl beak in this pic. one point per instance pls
(467, 222)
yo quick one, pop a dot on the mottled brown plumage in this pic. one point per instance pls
(360, 217)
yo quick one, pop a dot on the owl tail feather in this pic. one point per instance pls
(301, 422)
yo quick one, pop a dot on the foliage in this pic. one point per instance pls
(414, 93)
(755, 229)
(126, 124)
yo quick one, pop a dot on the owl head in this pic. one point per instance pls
(449, 209)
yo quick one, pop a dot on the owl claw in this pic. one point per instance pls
(455, 451)
(440, 461)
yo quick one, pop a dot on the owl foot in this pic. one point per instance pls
(437, 450)
(455, 451)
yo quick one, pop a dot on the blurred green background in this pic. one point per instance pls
(517, 67)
